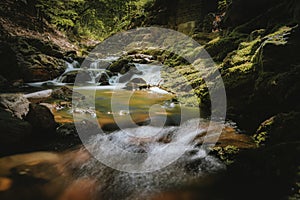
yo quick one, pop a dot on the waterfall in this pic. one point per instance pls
(96, 73)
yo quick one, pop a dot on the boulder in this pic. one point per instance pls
(30, 59)
(128, 75)
(70, 130)
(122, 66)
(41, 67)
(78, 76)
(136, 83)
(63, 93)
(16, 104)
(283, 127)
(41, 119)
(103, 79)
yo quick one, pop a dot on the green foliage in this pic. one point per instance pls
(90, 18)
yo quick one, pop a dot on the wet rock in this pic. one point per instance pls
(16, 104)
(31, 173)
(67, 130)
(70, 130)
(129, 74)
(81, 189)
(41, 119)
(78, 76)
(136, 83)
(269, 175)
(122, 66)
(63, 93)
(103, 79)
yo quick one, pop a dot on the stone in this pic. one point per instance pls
(103, 79)
(78, 76)
(41, 67)
(41, 119)
(281, 128)
(63, 93)
(136, 83)
(17, 104)
(122, 66)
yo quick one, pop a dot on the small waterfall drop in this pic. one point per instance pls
(190, 167)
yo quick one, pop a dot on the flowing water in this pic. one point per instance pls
(152, 124)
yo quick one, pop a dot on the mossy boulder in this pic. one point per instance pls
(220, 47)
(258, 83)
(30, 59)
(41, 67)
(122, 66)
(282, 128)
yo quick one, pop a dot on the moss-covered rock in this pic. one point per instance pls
(122, 66)
(30, 59)
(220, 47)
(258, 83)
(282, 128)
(226, 154)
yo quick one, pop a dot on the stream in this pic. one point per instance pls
(163, 136)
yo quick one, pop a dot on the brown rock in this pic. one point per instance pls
(41, 118)
(17, 104)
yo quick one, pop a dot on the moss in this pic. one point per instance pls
(242, 58)
(243, 68)
(214, 41)
(280, 34)
(262, 133)
(219, 48)
(226, 154)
